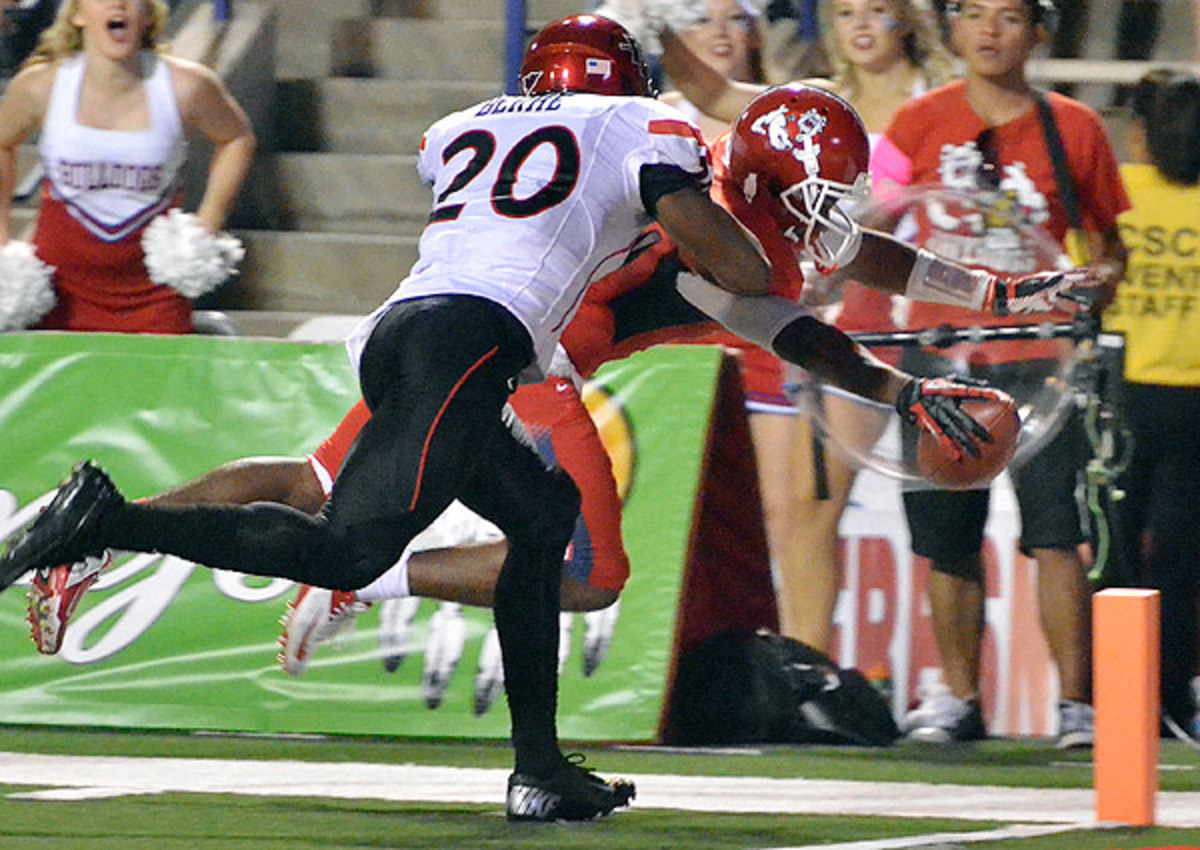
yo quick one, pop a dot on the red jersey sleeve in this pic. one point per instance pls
(590, 337)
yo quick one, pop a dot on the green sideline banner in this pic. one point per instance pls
(161, 643)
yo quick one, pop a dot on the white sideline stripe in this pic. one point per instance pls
(423, 783)
(939, 839)
(72, 794)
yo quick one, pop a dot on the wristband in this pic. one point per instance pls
(936, 280)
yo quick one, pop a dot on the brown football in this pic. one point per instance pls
(969, 473)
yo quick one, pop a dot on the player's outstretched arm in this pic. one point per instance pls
(791, 332)
(713, 242)
(886, 263)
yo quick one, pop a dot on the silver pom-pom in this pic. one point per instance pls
(645, 19)
(679, 15)
(26, 293)
(631, 14)
(181, 254)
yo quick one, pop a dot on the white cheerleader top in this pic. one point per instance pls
(113, 181)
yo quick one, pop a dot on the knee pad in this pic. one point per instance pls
(549, 517)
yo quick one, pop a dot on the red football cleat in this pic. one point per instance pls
(55, 594)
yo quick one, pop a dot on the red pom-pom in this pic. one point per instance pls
(969, 473)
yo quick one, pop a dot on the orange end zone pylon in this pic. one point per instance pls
(1125, 658)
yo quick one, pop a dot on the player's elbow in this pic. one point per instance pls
(750, 276)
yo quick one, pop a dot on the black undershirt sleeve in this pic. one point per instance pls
(655, 305)
(662, 179)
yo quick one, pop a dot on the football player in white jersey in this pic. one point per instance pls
(532, 196)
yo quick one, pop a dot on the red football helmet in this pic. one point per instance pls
(585, 53)
(798, 151)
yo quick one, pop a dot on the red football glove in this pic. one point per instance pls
(1044, 291)
(935, 405)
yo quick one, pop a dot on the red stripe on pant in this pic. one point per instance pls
(433, 426)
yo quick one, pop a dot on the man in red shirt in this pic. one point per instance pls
(991, 133)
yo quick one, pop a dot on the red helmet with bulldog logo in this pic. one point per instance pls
(799, 152)
(585, 53)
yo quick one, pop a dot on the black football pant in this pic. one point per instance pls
(435, 373)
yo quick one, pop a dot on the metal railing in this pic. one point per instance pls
(515, 26)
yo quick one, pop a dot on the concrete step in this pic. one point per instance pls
(537, 11)
(348, 115)
(313, 32)
(304, 43)
(358, 193)
(419, 49)
(318, 272)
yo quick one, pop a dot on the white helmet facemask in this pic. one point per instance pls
(831, 236)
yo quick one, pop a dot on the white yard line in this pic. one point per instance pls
(82, 777)
(942, 839)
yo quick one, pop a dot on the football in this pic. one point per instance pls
(969, 473)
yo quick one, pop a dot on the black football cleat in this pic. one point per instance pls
(572, 792)
(65, 531)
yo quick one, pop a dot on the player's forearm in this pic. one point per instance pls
(712, 242)
(230, 164)
(883, 263)
(921, 275)
(787, 329)
(890, 265)
(836, 359)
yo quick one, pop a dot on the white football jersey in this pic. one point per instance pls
(535, 197)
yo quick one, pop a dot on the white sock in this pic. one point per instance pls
(391, 585)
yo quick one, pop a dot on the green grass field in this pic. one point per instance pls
(170, 820)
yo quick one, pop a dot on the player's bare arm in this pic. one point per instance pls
(712, 240)
(835, 358)
(883, 262)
